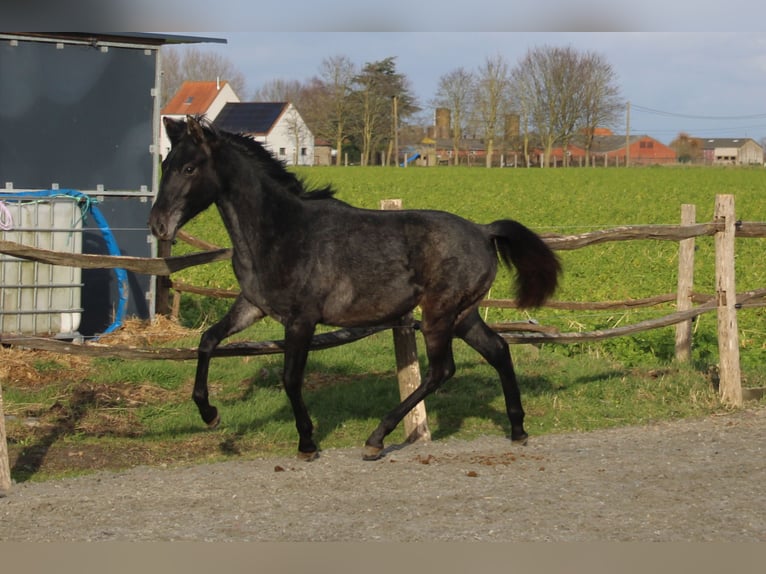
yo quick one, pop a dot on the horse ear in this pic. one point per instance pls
(174, 129)
(194, 129)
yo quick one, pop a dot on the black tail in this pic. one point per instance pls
(537, 266)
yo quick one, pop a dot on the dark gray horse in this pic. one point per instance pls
(304, 259)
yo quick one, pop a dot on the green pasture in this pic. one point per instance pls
(565, 201)
(565, 388)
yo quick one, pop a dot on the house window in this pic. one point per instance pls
(304, 152)
(282, 152)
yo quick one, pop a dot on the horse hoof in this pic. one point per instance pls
(212, 425)
(372, 453)
(308, 456)
(521, 439)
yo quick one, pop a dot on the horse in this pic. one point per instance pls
(304, 258)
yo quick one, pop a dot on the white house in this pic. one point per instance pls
(277, 125)
(196, 98)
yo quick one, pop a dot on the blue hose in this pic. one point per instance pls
(111, 244)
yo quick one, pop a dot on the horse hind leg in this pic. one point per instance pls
(441, 367)
(241, 315)
(475, 332)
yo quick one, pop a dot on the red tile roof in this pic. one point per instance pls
(192, 98)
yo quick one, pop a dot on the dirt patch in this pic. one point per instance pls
(691, 480)
(38, 369)
(75, 404)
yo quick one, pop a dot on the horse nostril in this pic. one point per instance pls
(159, 229)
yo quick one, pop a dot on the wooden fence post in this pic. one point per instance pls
(162, 282)
(5, 466)
(730, 385)
(407, 365)
(685, 286)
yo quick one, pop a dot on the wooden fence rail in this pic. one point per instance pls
(168, 265)
(238, 349)
(513, 332)
(141, 265)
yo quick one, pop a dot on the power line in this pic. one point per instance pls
(696, 117)
(736, 129)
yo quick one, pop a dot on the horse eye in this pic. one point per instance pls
(189, 169)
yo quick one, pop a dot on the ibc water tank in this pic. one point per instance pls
(38, 298)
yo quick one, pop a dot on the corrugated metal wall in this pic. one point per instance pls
(82, 116)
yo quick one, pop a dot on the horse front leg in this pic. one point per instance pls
(297, 340)
(241, 315)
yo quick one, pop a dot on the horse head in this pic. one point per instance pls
(189, 183)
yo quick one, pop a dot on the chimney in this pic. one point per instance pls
(218, 83)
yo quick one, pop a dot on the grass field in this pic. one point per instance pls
(134, 412)
(567, 202)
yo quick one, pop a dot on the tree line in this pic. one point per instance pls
(541, 102)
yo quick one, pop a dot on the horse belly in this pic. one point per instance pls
(351, 304)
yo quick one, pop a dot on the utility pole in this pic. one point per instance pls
(627, 135)
(396, 129)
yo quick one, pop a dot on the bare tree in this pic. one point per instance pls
(561, 91)
(172, 75)
(189, 63)
(522, 92)
(570, 80)
(454, 93)
(601, 103)
(541, 74)
(279, 90)
(337, 75)
(491, 99)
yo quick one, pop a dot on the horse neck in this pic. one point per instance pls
(255, 211)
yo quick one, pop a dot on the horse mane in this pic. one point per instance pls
(274, 168)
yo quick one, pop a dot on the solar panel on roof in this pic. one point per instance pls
(249, 117)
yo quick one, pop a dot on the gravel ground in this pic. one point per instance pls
(693, 480)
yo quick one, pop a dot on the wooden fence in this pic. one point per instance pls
(724, 228)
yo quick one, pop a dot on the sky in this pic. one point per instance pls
(707, 84)
(684, 65)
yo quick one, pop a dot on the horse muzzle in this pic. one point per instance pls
(162, 229)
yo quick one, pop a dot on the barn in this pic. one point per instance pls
(731, 151)
(610, 149)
